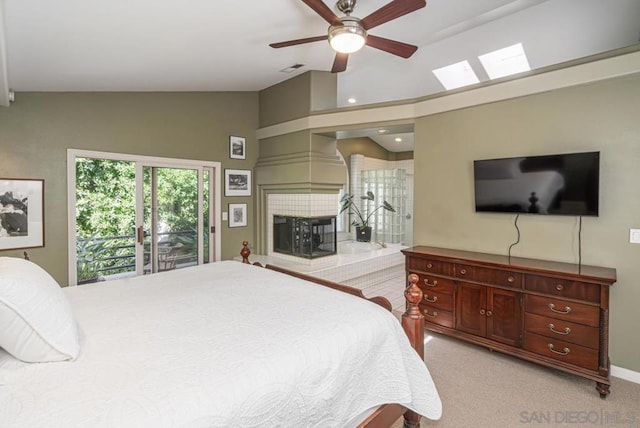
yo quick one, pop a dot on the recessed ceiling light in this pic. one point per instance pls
(352, 100)
(398, 140)
(381, 131)
(505, 62)
(456, 75)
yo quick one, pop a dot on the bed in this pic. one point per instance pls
(226, 344)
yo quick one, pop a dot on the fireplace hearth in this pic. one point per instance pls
(308, 237)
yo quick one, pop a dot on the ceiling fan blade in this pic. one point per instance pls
(340, 63)
(392, 46)
(390, 11)
(298, 41)
(323, 10)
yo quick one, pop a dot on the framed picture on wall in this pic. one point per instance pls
(237, 215)
(237, 147)
(237, 182)
(21, 213)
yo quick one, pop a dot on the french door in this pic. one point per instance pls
(175, 229)
(136, 215)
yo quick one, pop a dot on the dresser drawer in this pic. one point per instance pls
(563, 288)
(437, 316)
(429, 283)
(431, 266)
(562, 330)
(489, 276)
(438, 300)
(580, 313)
(562, 351)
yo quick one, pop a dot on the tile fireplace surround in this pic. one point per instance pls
(299, 205)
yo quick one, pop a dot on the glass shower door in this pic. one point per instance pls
(387, 185)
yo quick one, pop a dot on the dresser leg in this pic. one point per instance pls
(603, 389)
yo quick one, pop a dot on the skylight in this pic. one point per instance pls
(505, 62)
(456, 75)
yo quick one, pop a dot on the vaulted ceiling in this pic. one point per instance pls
(223, 45)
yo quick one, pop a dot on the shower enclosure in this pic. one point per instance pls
(391, 185)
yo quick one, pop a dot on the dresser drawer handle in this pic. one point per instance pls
(463, 271)
(511, 278)
(433, 315)
(565, 351)
(435, 299)
(566, 331)
(559, 287)
(429, 265)
(489, 313)
(430, 284)
(567, 309)
(482, 312)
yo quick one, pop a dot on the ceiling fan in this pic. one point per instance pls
(349, 34)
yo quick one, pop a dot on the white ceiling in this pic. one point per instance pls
(222, 45)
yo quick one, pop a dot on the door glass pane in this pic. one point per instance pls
(171, 217)
(106, 240)
(105, 219)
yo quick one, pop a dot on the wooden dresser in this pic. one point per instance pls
(555, 314)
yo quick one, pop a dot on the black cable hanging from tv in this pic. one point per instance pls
(515, 223)
(580, 244)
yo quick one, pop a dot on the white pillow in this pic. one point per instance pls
(36, 322)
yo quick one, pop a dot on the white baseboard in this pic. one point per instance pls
(625, 374)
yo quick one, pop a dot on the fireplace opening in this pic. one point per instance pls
(307, 237)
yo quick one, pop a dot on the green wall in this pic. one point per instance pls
(37, 130)
(369, 148)
(298, 97)
(598, 117)
(361, 146)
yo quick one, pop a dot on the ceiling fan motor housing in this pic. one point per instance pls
(346, 6)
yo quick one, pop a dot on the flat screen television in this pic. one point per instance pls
(562, 184)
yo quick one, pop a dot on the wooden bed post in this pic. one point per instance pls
(245, 252)
(413, 325)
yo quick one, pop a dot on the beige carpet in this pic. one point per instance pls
(480, 388)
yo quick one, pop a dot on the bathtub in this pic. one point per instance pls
(355, 247)
(358, 264)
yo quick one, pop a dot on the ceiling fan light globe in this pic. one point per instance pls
(347, 38)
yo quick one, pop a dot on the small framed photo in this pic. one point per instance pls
(237, 182)
(237, 147)
(237, 215)
(21, 213)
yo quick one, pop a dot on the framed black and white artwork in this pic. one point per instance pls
(237, 147)
(237, 215)
(237, 182)
(21, 213)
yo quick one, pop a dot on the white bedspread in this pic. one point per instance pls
(219, 345)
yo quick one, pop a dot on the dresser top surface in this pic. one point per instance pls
(603, 274)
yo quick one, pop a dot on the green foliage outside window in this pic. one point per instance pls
(105, 208)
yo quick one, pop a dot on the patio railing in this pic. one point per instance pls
(110, 255)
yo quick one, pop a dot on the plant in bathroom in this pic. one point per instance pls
(361, 220)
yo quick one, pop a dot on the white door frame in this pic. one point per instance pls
(215, 171)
